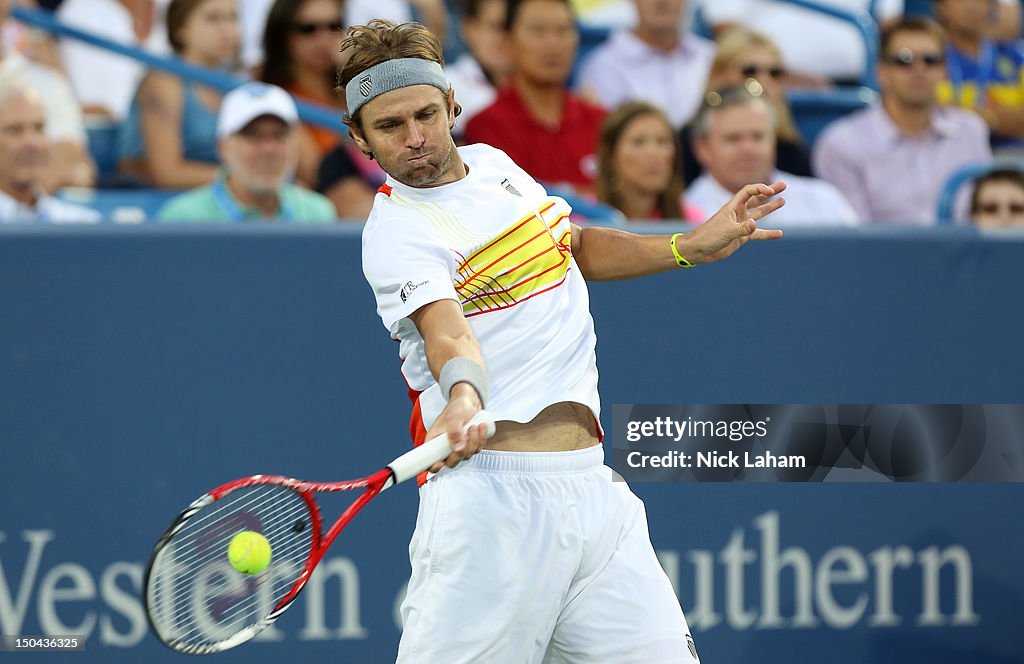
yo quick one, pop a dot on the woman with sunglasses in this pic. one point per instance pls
(169, 138)
(751, 59)
(300, 50)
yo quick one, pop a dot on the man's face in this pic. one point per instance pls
(24, 150)
(911, 68)
(408, 131)
(970, 18)
(740, 145)
(262, 155)
(660, 15)
(543, 40)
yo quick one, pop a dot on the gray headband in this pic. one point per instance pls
(391, 75)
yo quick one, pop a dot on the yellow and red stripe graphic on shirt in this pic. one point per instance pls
(523, 261)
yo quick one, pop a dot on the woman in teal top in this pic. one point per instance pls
(169, 137)
(198, 130)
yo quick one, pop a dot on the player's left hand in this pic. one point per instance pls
(732, 226)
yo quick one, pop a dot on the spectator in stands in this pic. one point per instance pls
(34, 43)
(734, 139)
(982, 74)
(744, 57)
(258, 143)
(638, 169)
(25, 158)
(104, 81)
(71, 164)
(169, 136)
(536, 120)
(485, 67)
(301, 49)
(656, 61)
(1008, 21)
(815, 47)
(998, 199)
(301, 54)
(892, 158)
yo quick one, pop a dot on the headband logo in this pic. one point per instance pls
(365, 86)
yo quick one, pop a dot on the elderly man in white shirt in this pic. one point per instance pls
(656, 61)
(25, 159)
(65, 127)
(734, 140)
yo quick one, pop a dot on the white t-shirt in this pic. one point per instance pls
(625, 68)
(100, 77)
(809, 201)
(497, 243)
(252, 15)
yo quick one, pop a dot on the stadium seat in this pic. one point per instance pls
(102, 136)
(122, 206)
(918, 8)
(595, 212)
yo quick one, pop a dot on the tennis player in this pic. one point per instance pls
(524, 550)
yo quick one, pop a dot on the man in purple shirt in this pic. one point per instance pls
(656, 61)
(891, 160)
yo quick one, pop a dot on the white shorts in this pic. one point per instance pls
(538, 557)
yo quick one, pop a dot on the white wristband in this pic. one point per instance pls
(463, 370)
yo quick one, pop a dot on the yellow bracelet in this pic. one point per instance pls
(680, 261)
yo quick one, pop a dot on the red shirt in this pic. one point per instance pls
(563, 153)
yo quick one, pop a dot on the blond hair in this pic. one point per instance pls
(731, 47)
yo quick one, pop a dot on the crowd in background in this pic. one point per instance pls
(655, 122)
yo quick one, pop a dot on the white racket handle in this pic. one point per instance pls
(426, 455)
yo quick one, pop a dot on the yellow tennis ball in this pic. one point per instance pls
(249, 552)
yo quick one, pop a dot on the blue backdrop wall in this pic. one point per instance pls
(140, 367)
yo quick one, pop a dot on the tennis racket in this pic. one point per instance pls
(197, 603)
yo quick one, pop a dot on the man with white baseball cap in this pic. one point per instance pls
(258, 146)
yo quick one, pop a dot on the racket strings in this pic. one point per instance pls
(212, 525)
(196, 598)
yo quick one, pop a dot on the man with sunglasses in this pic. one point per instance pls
(892, 160)
(655, 61)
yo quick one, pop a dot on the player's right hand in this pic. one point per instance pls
(463, 404)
